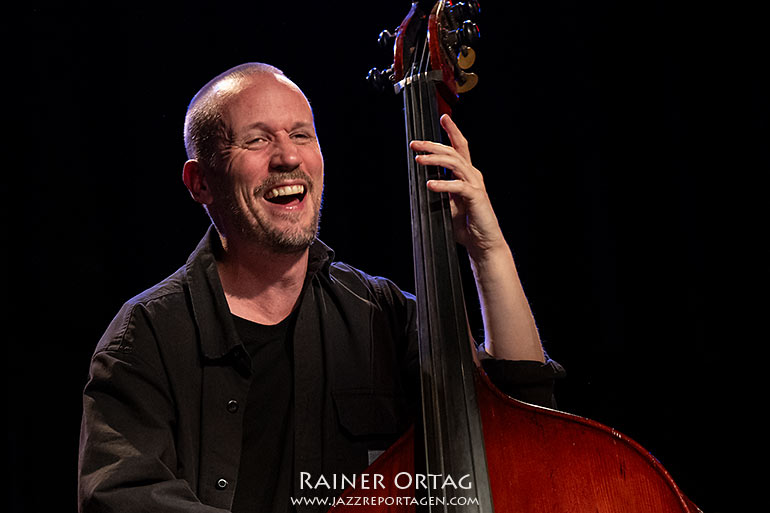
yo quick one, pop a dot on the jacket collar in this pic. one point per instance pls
(218, 336)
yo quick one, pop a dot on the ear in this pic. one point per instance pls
(195, 180)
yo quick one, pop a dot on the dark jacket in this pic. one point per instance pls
(162, 414)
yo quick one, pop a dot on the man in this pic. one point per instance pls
(261, 358)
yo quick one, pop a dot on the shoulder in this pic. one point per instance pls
(347, 278)
(386, 305)
(379, 289)
(138, 316)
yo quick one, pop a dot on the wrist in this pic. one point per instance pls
(491, 256)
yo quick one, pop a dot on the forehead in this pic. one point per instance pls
(266, 99)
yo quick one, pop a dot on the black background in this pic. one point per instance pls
(621, 146)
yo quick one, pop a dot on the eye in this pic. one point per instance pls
(256, 142)
(302, 137)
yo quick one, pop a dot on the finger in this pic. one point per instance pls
(432, 147)
(457, 203)
(458, 140)
(457, 187)
(459, 167)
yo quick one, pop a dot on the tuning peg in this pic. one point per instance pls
(380, 79)
(386, 39)
(466, 81)
(466, 57)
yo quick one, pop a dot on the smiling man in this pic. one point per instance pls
(263, 359)
(269, 158)
(261, 183)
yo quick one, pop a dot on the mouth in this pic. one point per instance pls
(286, 194)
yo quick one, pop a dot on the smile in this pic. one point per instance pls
(286, 194)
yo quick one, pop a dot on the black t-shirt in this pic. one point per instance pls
(264, 480)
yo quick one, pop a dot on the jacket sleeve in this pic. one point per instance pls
(528, 381)
(127, 457)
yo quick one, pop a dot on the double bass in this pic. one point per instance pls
(475, 449)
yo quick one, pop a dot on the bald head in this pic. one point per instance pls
(205, 129)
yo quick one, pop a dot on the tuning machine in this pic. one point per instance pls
(380, 79)
(469, 10)
(466, 81)
(460, 33)
(386, 40)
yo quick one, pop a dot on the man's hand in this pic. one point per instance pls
(509, 328)
(474, 222)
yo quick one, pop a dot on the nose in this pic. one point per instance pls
(285, 155)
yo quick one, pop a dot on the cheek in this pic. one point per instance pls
(315, 164)
(243, 179)
(244, 166)
(232, 190)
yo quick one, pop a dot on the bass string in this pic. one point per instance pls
(416, 103)
(443, 241)
(436, 237)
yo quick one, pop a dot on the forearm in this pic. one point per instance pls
(510, 332)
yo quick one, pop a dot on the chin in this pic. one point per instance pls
(291, 240)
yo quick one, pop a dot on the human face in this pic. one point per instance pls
(270, 188)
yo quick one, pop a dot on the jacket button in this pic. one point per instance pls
(222, 484)
(232, 406)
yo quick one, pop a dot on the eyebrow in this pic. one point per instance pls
(264, 126)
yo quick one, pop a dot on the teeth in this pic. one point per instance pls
(286, 190)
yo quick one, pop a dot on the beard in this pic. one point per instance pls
(285, 233)
(294, 239)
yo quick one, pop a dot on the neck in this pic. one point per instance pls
(260, 284)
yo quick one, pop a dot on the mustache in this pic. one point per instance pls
(279, 178)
